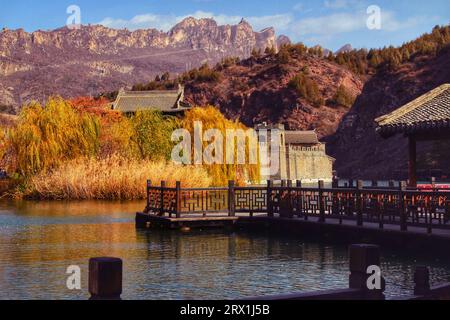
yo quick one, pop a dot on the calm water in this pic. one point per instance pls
(38, 241)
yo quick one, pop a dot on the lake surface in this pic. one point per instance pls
(38, 241)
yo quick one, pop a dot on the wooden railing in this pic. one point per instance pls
(399, 206)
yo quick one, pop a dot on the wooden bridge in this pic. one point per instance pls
(383, 208)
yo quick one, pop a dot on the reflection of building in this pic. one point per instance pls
(301, 156)
(167, 101)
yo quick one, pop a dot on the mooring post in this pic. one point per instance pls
(231, 199)
(105, 278)
(269, 198)
(402, 206)
(321, 202)
(161, 205)
(422, 281)
(359, 203)
(364, 263)
(178, 199)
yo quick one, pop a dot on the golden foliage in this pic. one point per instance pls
(112, 178)
(212, 118)
(152, 134)
(47, 136)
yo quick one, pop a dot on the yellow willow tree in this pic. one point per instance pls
(46, 136)
(211, 118)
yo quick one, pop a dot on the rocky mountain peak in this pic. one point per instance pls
(347, 48)
(95, 58)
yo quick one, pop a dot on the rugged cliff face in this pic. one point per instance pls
(93, 59)
(359, 151)
(257, 90)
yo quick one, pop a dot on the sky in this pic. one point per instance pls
(329, 23)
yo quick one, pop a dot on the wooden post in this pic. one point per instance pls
(402, 206)
(335, 183)
(363, 256)
(412, 165)
(289, 199)
(421, 281)
(105, 278)
(269, 198)
(359, 203)
(161, 209)
(149, 185)
(321, 202)
(300, 198)
(231, 199)
(178, 199)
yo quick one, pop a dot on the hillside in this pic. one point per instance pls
(94, 58)
(359, 151)
(294, 87)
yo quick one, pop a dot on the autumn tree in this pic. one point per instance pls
(211, 118)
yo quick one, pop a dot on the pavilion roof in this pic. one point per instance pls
(428, 113)
(301, 137)
(167, 101)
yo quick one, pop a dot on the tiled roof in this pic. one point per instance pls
(430, 112)
(301, 137)
(167, 101)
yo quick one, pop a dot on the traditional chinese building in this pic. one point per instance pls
(426, 118)
(301, 156)
(167, 101)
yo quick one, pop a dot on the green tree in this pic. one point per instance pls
(307, 88)
(152, 134)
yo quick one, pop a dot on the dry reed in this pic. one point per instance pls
(113, 178)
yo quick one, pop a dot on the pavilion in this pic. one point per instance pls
(426, 118)
(170, 102)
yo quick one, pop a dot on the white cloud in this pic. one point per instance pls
(338, 23)
(280, 22)
(336, 4)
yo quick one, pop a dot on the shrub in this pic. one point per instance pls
(307, 88)
(343, 97)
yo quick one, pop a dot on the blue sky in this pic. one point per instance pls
(330, 23)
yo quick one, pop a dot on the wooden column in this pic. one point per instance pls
(269, 198)
(321, 202)
(178, 199)
(412, 165)
(231, 199)
(161, 207)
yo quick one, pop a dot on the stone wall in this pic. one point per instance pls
(309, 164)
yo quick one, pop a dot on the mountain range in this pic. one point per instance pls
(93, 58)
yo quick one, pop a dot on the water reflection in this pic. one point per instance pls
(38, 241)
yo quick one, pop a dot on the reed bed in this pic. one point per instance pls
(113, 178)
